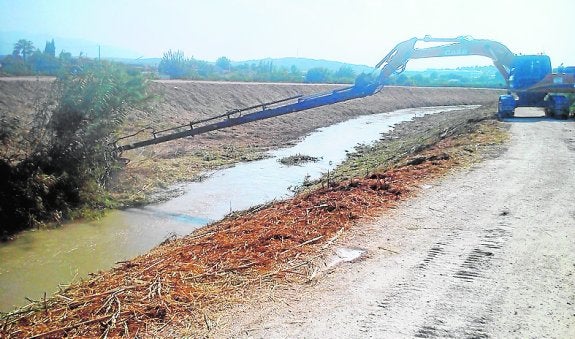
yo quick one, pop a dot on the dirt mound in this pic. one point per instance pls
(19, 97)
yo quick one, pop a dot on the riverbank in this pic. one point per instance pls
(184, 284)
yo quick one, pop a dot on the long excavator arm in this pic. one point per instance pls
(250, 114)
(394, 62)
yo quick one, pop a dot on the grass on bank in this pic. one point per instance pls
(411, 138)
(148, 178)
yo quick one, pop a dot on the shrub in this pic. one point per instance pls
(64, 159)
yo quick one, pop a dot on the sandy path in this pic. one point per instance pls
(488, 252)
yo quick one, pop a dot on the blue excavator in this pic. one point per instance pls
(529, 80)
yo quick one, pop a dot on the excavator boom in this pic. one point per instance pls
(532, 88)
(249, 114)
(396, 60)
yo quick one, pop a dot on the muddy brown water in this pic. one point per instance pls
(40, 262)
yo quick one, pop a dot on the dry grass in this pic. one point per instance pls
(147, 174)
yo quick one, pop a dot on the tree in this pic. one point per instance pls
(317, 75)
(43, 63)
(203, 68)
(14, 65)
(294, 70)
(65, 57)
(23, 47)
(418, 80)
(65, 156)
(224, 63)
(403, 80)
(345, 74)
(50, 48)
(173, 64)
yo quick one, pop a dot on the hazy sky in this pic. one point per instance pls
(353, 31)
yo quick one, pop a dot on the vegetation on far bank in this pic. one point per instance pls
(27, 59)
(176, 65)
(407, 139)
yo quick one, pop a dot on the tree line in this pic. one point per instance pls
(176, 65)
(26, 59)
(29, 60)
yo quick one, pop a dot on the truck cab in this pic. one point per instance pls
(569, 70)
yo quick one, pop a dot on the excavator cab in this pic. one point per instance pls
(526, 71)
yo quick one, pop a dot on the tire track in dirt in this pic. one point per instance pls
(470, 281)
(453, 271)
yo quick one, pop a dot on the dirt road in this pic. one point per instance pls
(487, 252)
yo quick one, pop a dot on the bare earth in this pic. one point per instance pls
(487, 252)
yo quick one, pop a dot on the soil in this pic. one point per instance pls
(487, 252)
(183, 102)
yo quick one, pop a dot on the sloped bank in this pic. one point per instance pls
(179, 287)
